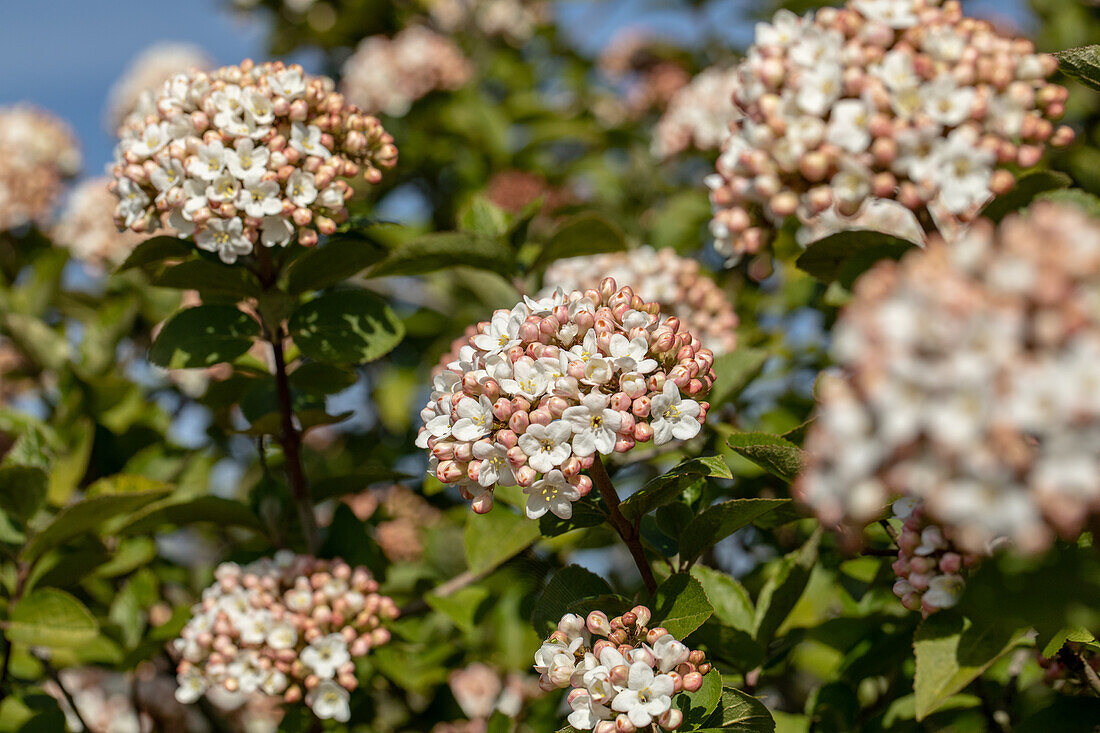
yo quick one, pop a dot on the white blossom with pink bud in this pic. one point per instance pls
(896, 100)
(537, 392)
(288, 628)
(255, 153)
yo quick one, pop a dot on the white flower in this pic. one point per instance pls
(274, 682)
(475, 419)
(300, 188)
(964, 171)
(325, 655)
(191, 686)
(848, 125)
(258, 107)
(647, 696)
(167, 176)
(247, 161)
(586, 711)
(225, 237)
(209, 163)
(551, 493)
(307, 141)
(329, 700)
(903, 507)
(630, 356)
(332, 198)
(851, 186)
(598, 370)
(819, 88)
(546, 446)
(894, 13)
(288, 83)
(527, 380)
(224, 189)
(131, 201)
(282, 635)
(944, 591)
(946, 102)
(495, 468)
(275, 231)
(782, 31)
(672, 416)
(260, 198)
(153, 138)
(670, 653)
(931, 540)
(896, 71)
(502, 333)
(545, 655)
(594, 425)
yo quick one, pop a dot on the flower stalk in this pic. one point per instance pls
(627, 530)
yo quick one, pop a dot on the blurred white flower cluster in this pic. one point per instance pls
(287, 628)
(387, 75)
(514, 20)
(677, 283)
(971, 384)
(623, 674)
(244, 155)
(135, 91)
(879, 99)
(86, 226)
(38, 152)
(481, 690)
(539, 391)
(699, 114)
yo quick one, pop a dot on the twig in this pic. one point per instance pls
(627, 531)
(893, 533)
(53, 675)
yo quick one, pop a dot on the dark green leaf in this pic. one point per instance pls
(317, 378)
(210, 278)
(1024, 192)
(783, 589)
(583, 234)
(743, 713)
(1064, 715)
(1082, 63)
(354, 483)
(22, 490)
(569, 585)
(720, 521)
(346, 327)
(204, 336)
(441, 250)
(729, 599)
(681, 605)
(224, 512)
(338, 259)
(697, 706)
(667, 487)
(490, 539)
(775, 454)
(158, 249)
(52, 618)
(845, 255)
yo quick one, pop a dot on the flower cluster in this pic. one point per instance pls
(698, 115)
(38, 152)
(87, 229)
(645, 71)
(407, 514)
(514, 190)
(894, 99)
(285, 628)
(135, 92)
(388, 75)
(929, 568)
(676, 283)
(541, 390)
(514, 20)
(121, 703)
(624, 680)
(245, 154)
(972, 385)
(481, 690)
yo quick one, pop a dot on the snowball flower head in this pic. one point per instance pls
(898, 100)
(677, 283)
(286, 628)
(245, 155)
(537, 392)
(623, 674)
(970, 383)
(38, 152)
(387, 75)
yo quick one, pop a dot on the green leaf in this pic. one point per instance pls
(204, 336)
(697, 706)
(210, 278)
(951, 652)
(681, 605)
(463, 607)
(720, 521)
(1074, 633)
(680, 221)
(733, 370)
(441, 250)
(481, 216)
(1082, 63)
(317, 378)
(22, 490)
(86, 516)
(224, 512)
(583, 234)
(743, 713)
(52, 618)
(346, 327)
(783, 589)
(569, 585)
(338, 259)
(667, 487)
(1024, 192)
(157, 249)
(845, 255)
(731, 602)
(776, 455)
(491, 539)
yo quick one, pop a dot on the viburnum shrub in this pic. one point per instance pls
(251, 387)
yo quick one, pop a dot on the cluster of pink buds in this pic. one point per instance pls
(288, 628)
(879, 99)
(543, 389)
(623, 674)
(38, 152)
(247, 154)
(929, 567)
(387, 75)
(406, 515)
(677, 283)
(970, 382)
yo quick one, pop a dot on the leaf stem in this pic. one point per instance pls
(627, 531)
